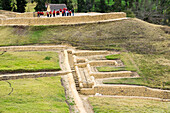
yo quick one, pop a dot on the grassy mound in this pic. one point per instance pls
(12, 62)
(133, 34)
(117, 105)
(147, 44)
(33, 95)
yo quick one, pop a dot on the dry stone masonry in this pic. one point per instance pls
(80, 68)
(83, 63)
(30, 18)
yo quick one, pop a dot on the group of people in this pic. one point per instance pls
(64, 12)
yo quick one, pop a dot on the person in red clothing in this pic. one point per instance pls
(60, 10)
(42, 13)
(63, 13)
(69, 13)
(47, 14)
(38, 14)
(54, 13)
(50, 13)
(58, 13)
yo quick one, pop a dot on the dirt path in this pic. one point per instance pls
(132, 97)
(86, 103)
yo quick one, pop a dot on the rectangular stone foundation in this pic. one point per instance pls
(61, 20)
(127, 91)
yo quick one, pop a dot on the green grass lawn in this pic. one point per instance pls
(113, 57)
(134, 81)
(120, 105)
(122, 56)
(40, 95)
(114, 69)
(153, 69)
(29, 61)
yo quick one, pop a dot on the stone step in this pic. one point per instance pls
(78, 88)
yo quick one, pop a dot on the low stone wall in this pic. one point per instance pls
(127, 91)
(72, 85)
(61, 20)
(11, 14)
(31, 48)
(98, 75)
(31, 75)
(90, 53)
(87, 91)
(103, 63)
(79, 77)
(81, 60)
(8, 14)
(3, 17)
(81, 65)
(1, 21)
(26, 15)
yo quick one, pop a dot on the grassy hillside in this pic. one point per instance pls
(146, 44)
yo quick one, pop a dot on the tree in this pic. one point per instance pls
(40, 5)
(64, 1)
(55, 1)
(117, 5)
(100, 6)
(89, 5)
(81, 6)
(21, 4)
(6, 5)
(103, 6)
(131, 3)
(0, 4)
(69, 4)
(14, 7)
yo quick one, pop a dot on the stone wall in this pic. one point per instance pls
(98, 75)
(3, 16)
(31, 75)
(103, 63)
(89, 53)
(8, 14)
(61, 20)
(123, 90)
(32, 48)
(1, 21)
(26, 15)
(11, 14)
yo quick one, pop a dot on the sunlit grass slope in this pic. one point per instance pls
(40, 95)
(29, 61)
(122, 105)
(146, 44)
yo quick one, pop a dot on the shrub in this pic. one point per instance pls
(130, 13)
(47, 58)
